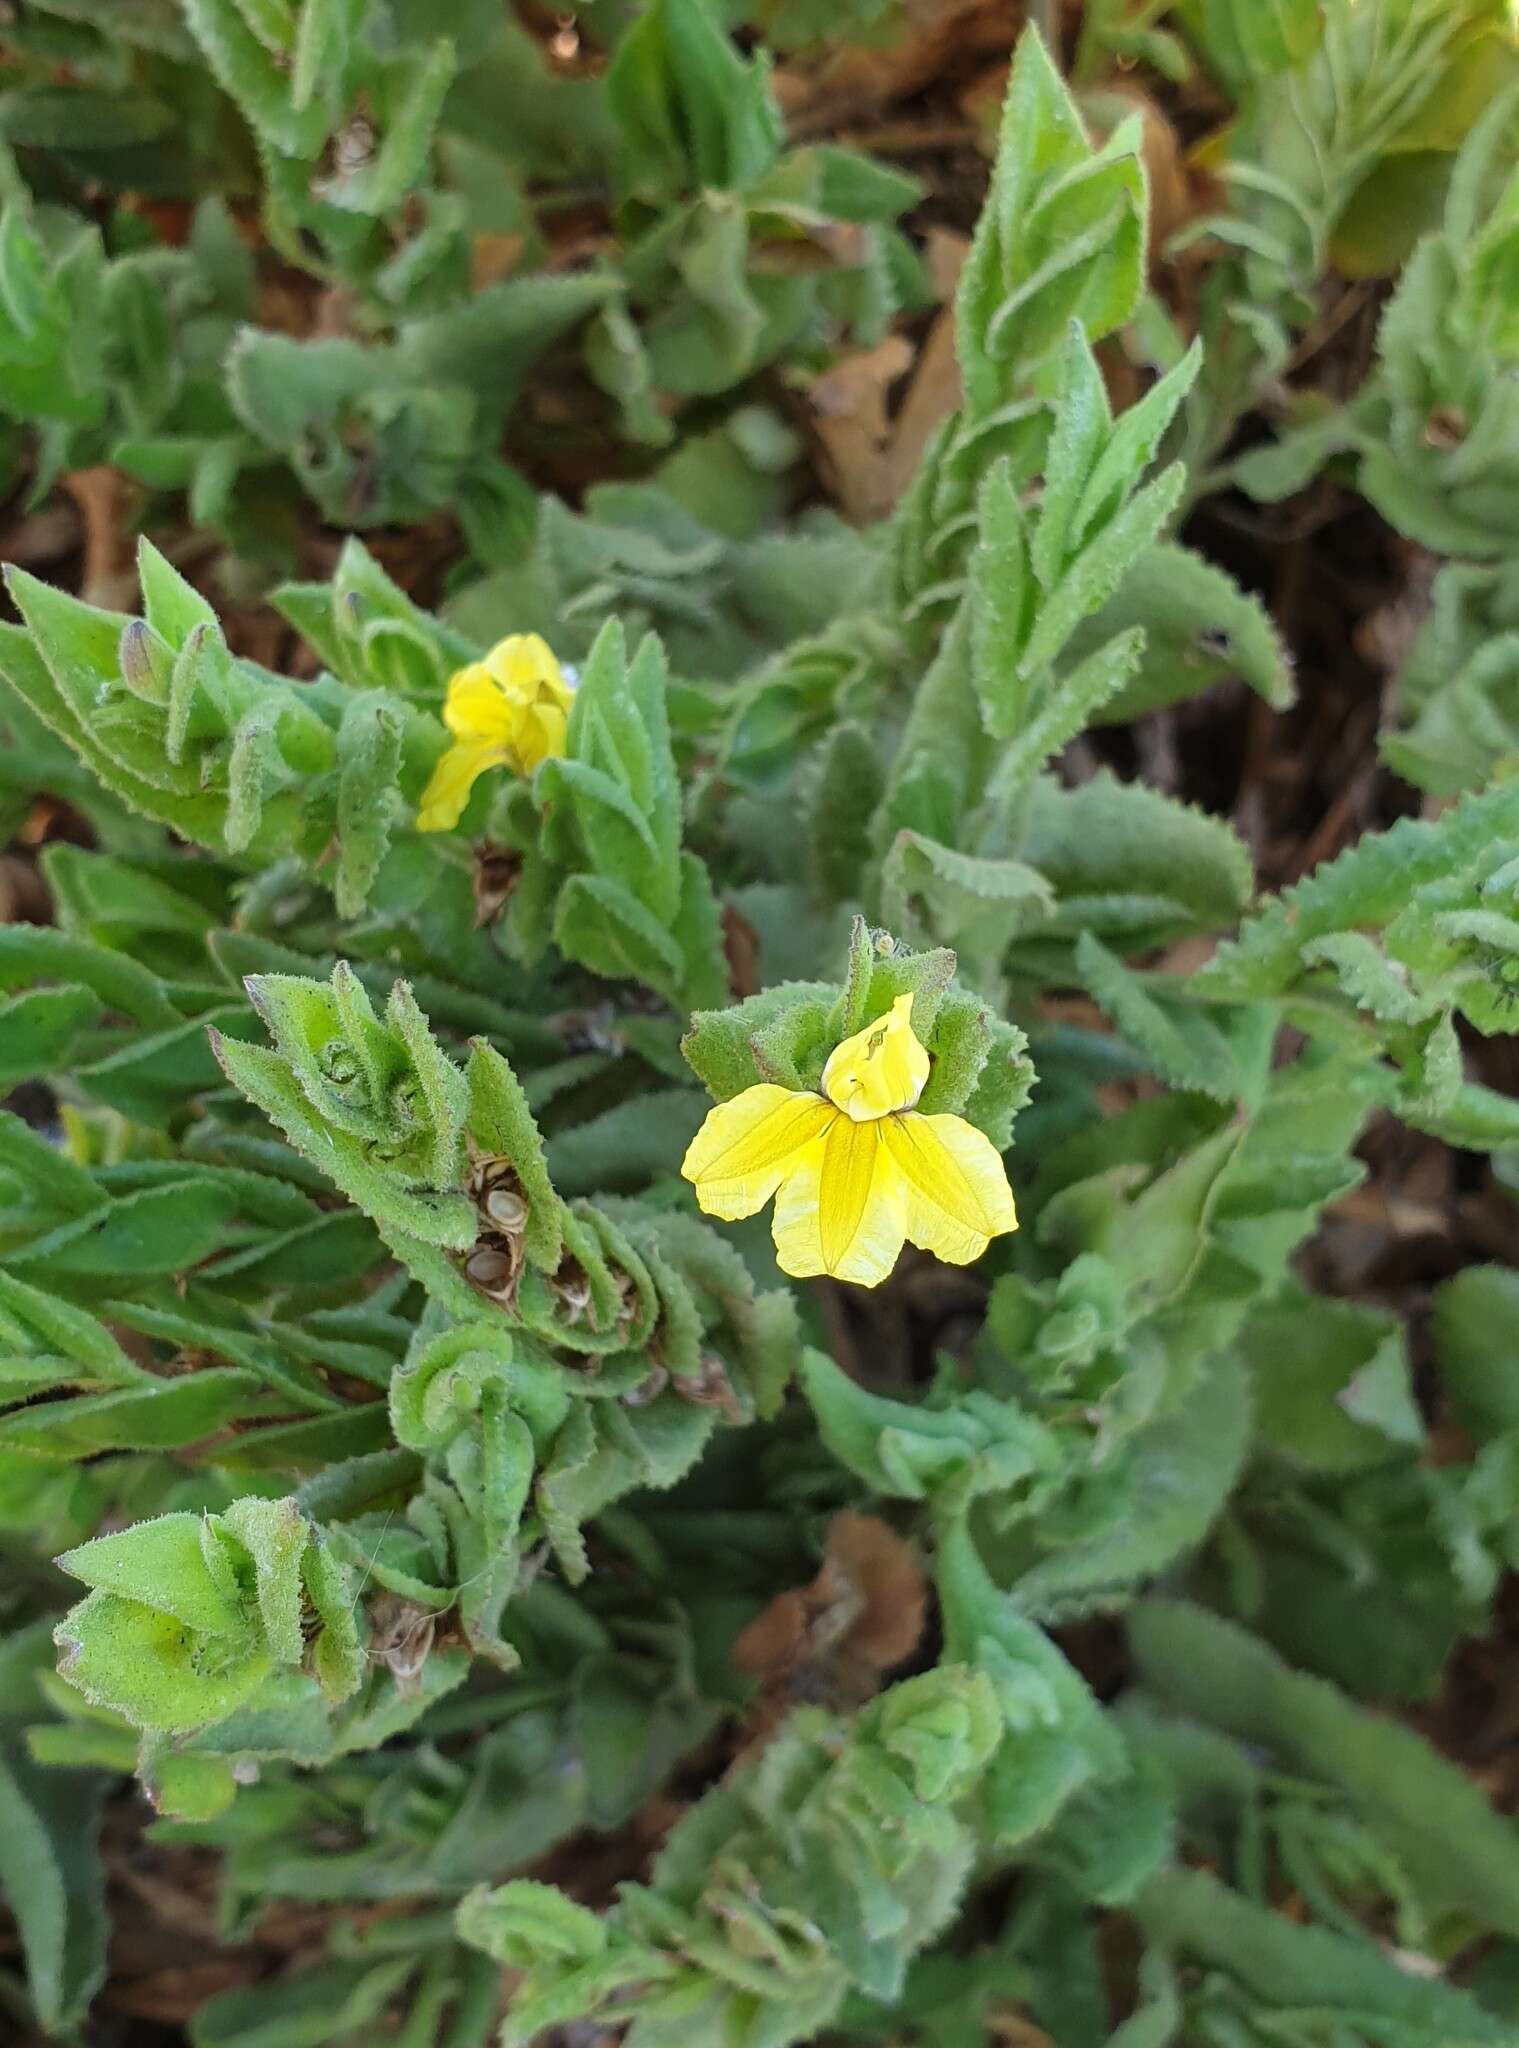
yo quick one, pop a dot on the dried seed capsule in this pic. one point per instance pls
(488, 1268)
(710, 1387)
(506, 1208)
(647, 1390)
(573, 1292)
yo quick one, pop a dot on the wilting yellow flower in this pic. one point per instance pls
(508, 710)
(855, 1170)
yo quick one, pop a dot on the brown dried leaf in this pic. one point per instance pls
(45, 535)
(173, 1996)
(101, 494)
(871, 450)
(497, 872)
(935, 390)
(880, 1566)
(23, 893)
(1011, 2030)
(849, 407)
(1173, 197)
(775, 1641)
(862, 1614)
(848, 83)
(741, 951)
(493, 257)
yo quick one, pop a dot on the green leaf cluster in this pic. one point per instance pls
(387, 149)
(827, 1863)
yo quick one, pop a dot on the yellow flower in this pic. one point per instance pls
(855, 1170)
(509, 710)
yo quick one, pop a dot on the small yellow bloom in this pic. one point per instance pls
(509, 710)
(856, 1170)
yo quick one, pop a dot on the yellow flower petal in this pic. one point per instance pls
(476, 708)
(746, 1147)
(524, 666)
(540, 732)
(510, 709)
(842, 1208)
(881, 1069)
(455, 776)
(957, 1196)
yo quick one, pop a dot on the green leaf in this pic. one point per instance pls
(368, 761)
(1306, 1973)
(1056, 1737)
(400, 162)
(1094, 574)
(1370, 884)
(1132, 864)
(955, 890)
(1199, 627)
(1071, 703)
(191, 1614)
(689, 111)
(1178, 1039)
(921, 1453)
(164, 1417)
(256, 77)
(1181, 1470)
(51, 1878)
(1476, 1322)
(1332, 1391)
(1459, 1850)
(162, 1563)
(1061, 237)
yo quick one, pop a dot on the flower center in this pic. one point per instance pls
(881, 1070)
